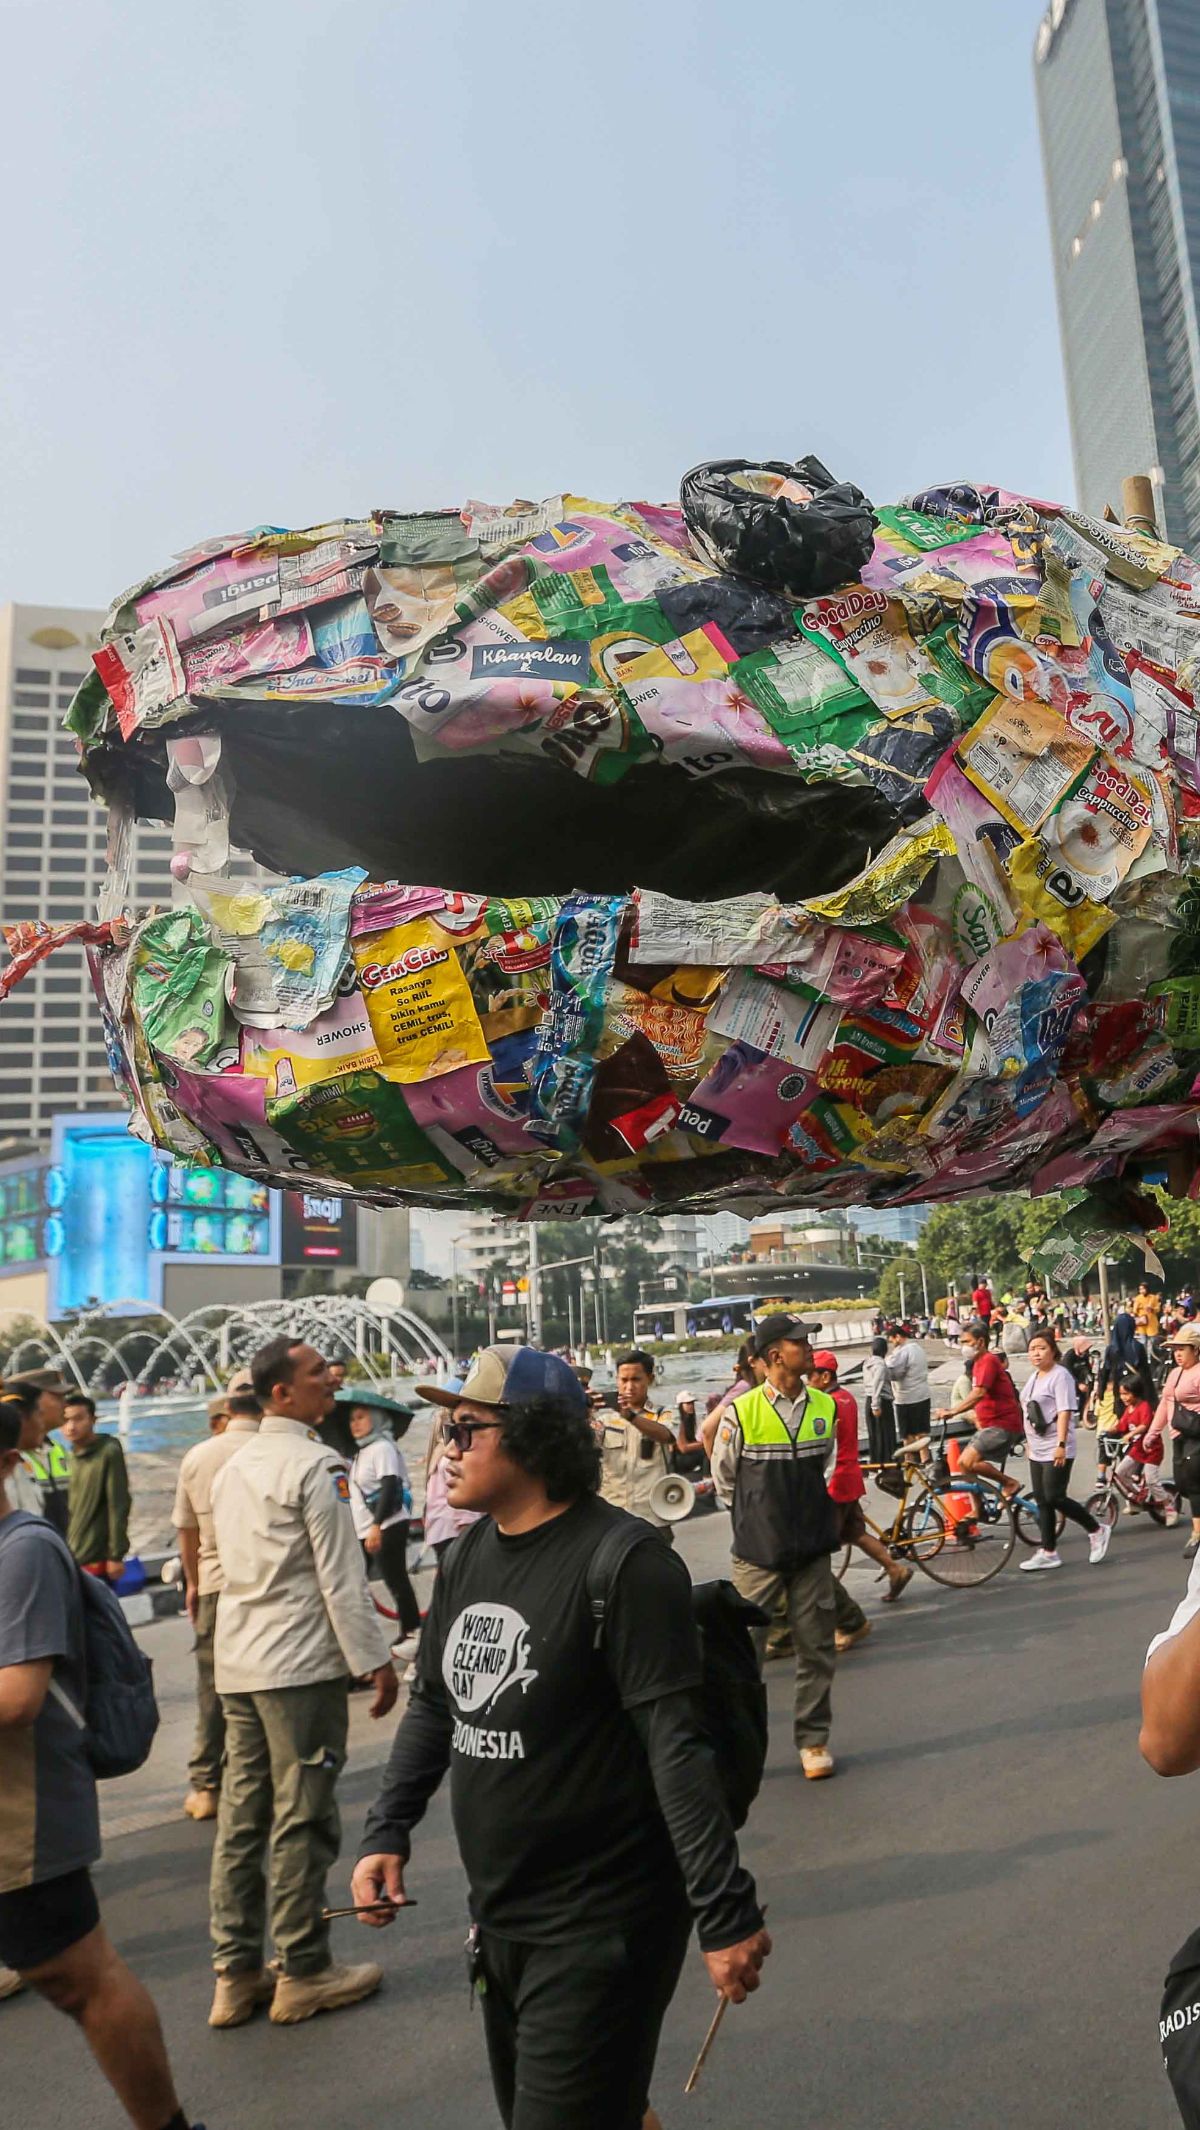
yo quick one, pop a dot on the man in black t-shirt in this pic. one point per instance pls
(586, 1804)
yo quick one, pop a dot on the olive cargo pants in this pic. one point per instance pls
(284, 1751)
(208, 1752)
(809, 1595)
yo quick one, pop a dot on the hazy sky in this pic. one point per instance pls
(277, 262)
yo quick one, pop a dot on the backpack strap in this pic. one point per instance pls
(605, 1565)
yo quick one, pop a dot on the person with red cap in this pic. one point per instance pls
(847, 1487)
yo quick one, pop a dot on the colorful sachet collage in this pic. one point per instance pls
(1005, 989)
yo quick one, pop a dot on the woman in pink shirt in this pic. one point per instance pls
(1179, 1409)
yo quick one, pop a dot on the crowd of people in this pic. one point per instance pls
(557, 1676)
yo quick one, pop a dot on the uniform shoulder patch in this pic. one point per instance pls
(341, 1483)
(725, 1431)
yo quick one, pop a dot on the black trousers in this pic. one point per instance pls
(572, 2030)
(881, 1433)
(1050, 1483)
(1186, 1471)
(393, 1567)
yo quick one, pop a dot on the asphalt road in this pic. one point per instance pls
(971, 1920)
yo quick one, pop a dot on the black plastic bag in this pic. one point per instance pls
(791, 529)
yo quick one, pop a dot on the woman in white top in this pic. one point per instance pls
(381, 1502)
(1049, 1402)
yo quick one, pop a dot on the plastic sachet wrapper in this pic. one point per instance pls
(288, 944)
(181, 985)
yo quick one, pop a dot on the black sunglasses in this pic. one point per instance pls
(460, 1432)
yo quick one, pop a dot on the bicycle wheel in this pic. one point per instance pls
(955, 1550)
(1025, 1516)
(1103, 1506)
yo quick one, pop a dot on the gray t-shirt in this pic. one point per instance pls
(49, 1812)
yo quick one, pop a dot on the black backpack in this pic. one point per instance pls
(119, 1716)
(733, 1699)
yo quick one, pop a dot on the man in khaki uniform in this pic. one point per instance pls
(635, 1441)
(233, 1417)
(294, 1622)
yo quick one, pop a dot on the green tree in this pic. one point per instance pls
(904, 1266)
(978, 1235)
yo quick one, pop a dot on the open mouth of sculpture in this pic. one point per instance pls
(640, 855)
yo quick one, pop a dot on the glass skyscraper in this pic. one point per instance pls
(1118, 88)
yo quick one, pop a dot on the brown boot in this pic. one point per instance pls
(650, 2121)
(202, 1804)
(300, 1997)
(237, 1997)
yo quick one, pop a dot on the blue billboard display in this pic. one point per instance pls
(116, 1214)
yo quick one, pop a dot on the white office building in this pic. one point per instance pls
(53, 839)
(52, 846)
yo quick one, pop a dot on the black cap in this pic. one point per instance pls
(780, 1326)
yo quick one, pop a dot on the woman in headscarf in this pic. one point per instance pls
(381, 1500)
(1123, 1357)
(881, 1412)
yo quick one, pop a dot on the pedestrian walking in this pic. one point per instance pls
(98, 1499)
(51, 1935)
(1170, 1743)
(42, 1480)
(1078, 1359)
(238, 1412)
(294, 1622)
(769, 1459)
(880, 1410)
(1141, 1460)
(983, 1301)
(1125, 1355)
(1048, 1404)
(909, 1373)
(750, 1370)
(381, 1502)
(636, 1441)
(586, 1804)
(847, 1488)
(1147, 1309)
(1179, 1410)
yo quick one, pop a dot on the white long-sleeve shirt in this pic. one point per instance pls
(877, 1384)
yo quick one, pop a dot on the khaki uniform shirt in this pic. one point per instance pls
(631, 1463)
(294, 1607)
(193, 1495)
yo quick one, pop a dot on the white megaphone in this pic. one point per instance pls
(671, 1497)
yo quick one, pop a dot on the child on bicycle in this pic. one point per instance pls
(1139, 1464)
